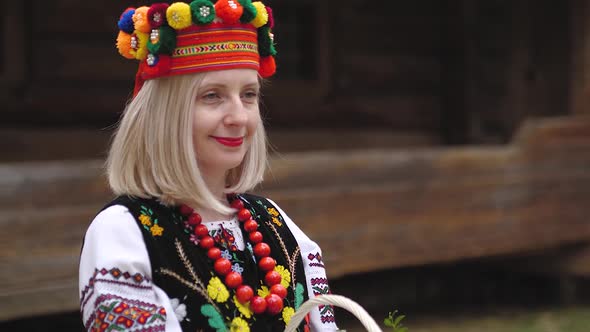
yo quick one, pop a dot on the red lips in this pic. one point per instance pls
(230, 141)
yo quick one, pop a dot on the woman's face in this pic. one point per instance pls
(225, 117)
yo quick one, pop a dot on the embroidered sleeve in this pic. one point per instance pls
(116, 291)
(322, 318)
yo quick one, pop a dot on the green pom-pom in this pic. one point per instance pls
(266, 45)
(166, 42)
(202, 11)
(250, 11)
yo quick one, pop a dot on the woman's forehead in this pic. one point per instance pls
(231, 77)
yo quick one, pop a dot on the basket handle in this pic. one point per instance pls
(337, 300)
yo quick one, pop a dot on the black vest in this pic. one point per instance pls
(182, 269)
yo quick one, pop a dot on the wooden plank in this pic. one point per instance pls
(369, 209)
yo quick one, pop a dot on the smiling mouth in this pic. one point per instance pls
(230, 141)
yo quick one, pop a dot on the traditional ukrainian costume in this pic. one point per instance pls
(146, 266)
(142, 269)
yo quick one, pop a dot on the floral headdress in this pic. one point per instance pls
(200, 36)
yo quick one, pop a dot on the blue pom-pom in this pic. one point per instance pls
(126, 21)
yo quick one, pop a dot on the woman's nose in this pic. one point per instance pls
(237, 114)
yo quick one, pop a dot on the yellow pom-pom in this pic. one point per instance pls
(179, 15)
(124, 45)
(140, 20)
(141, 51)
(261, 15)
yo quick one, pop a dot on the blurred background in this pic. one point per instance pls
(437, 150)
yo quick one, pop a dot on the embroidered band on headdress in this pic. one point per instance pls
(184, 38)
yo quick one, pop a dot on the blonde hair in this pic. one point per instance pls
(152, 153)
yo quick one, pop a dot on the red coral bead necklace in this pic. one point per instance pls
(272, 304)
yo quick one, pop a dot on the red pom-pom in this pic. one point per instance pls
(161, 68)
(271, 20)
(157, 14)
(229, 11)
(267, 66)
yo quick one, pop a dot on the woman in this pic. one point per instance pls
(182, 247)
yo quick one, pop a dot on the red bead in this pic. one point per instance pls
(214, 253)
(201, 231)
(207, 242)
(272, 278)
(244, 215)
(274, 304)
(233, 279)
(255, 237)
(237, 204)
(244, 293)
(267, 263)
(279, 290)
(222, 266)
(186, 210)
(258, 305)
(250, 226)
(194, 219)
(262, 249)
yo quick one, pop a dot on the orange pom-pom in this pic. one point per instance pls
(267, 66)
(140, 19)
(229, 11)
(124, 45)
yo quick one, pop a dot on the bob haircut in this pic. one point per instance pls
(152, 153)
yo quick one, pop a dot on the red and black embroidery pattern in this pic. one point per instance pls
(115, 313)
(320, 287)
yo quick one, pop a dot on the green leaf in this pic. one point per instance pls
(398, 319)
(215, 319)
(298, 295)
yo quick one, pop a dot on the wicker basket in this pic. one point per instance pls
(335, 300)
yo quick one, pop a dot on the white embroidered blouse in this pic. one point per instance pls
(114, 262)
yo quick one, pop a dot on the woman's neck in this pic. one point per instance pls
(216, 183)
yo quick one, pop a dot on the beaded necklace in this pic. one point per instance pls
(272, 304)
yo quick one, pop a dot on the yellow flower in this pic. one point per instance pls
(285, 275)
(217, 291)
(288, 312)
(273, 212)
(243, 308)
(263, 291)
(156, 230)
(239, 325)
(145, 220)
(277, 221)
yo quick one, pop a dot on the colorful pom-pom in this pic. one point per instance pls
(203, 11)
(271, 20)
(157, 15)
(265, 42)
(155, 66)
(179, 15)
(249, 12)
(267, 66)
(140, 19)
(124, 45)
(139, 45)
(162, 40)
(229, 11)
(126, 21)
(261, 15)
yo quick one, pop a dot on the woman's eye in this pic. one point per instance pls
(251, 95)
(210, 96)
